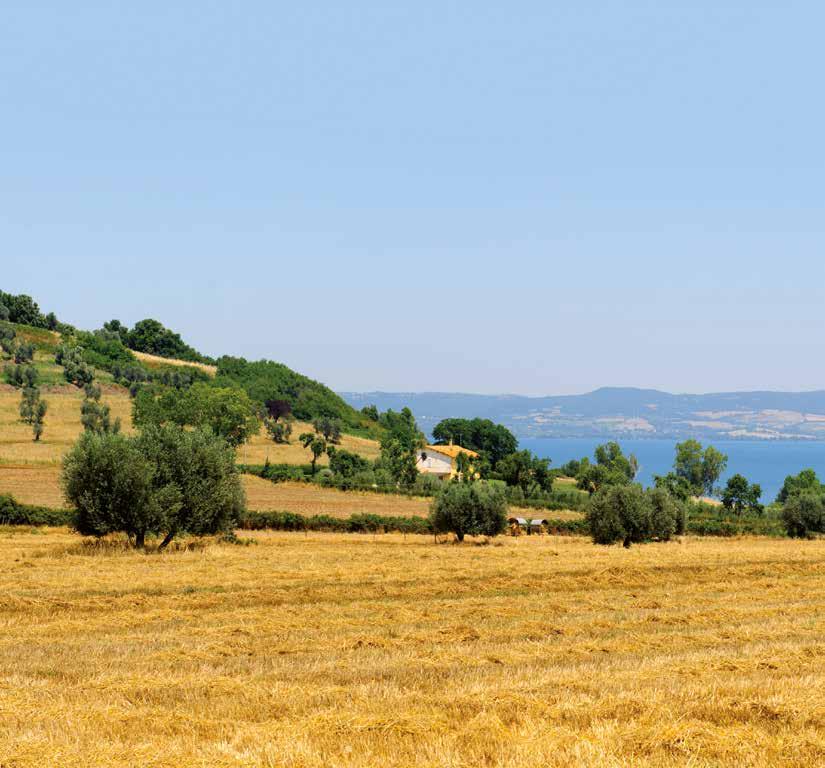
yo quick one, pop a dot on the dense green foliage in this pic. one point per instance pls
(168, 480)
(805, 481)
(227, 411)
(152, 337)
(365, 523)
(629, 514)
(469, 509)
(525, 471)
(492, 441)
(96, 416)
(740, 496)
(804, 514)
(13, 512)
(399, 446)
(611, 467)
(308, 400)
(23, 309)
(195, 477)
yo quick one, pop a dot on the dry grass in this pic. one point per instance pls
(310, 499)
(260, 447)
(32, 484)
(379, 651)
(63, 427)
(62, 424)
(155, 361)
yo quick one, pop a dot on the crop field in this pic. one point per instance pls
(29, 470)
(351, 650)
(309, 499)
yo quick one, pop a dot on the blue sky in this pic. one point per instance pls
(528, 197)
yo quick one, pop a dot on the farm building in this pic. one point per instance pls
(441, 460)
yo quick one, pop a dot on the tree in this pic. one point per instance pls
(75, 369)
(316, 444)
(279, 431)
(329, 428)
(277, 408)
(399, 446)
(227, 411)
(612, 467)
(805, 481)
(21, 375)
(4, 312)
(371, 412)
(33, 410)
(152, 337)
(628, 514)
(740, 496)
(526, 471)
(700, 468)
(469, 509)
(169, 480)
(194, 480)
(109, 482)
(346, 464)
(96, 416)
(804, 514)
(493, 441)
(24, 352)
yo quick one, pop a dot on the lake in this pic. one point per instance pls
(761, 461)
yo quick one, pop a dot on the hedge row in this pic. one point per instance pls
(290, 521)
(13, 512)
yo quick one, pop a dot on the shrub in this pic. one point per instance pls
(347, 464)
(14, 513)
(474, 509)
(628, 514)
(804, 514)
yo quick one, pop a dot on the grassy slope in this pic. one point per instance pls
(363, 651)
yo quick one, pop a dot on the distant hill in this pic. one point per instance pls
(623, 412)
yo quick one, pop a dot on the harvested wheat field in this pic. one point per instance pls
(347, 650)
(310, 499)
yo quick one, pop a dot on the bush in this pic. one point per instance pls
(346, 464)
(804, 514)
(14, 513)
(628, 514)
(474, 509)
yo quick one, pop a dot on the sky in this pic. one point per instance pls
(529, 197)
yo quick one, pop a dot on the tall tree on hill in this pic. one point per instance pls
(701, 468)
(316, 444)
(492, 440)
(33, 410)
(399, 446)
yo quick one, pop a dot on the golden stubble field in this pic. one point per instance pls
(347, 650)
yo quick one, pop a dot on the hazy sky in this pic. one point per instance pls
(526, 197)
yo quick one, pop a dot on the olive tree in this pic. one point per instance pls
(109, 482)
(166, 481)
(469, 509)
(629, 514)
(804, 514)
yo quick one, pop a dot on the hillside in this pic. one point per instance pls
(151, 351)
(628, 412)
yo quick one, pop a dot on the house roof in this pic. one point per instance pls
(450, 450)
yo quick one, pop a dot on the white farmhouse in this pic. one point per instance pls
(440, 460)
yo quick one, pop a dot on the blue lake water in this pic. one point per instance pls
(761, 461)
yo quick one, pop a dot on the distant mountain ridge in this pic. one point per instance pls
(623, 412)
